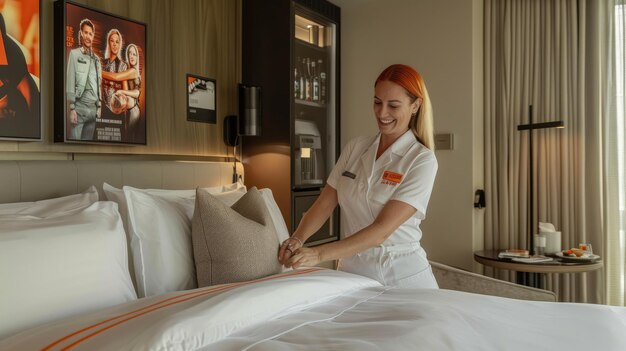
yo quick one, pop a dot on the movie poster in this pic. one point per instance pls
(20, 105)
(105, 77)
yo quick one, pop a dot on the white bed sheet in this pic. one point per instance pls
(318, 309)
(414, 319)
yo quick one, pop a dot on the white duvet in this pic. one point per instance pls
(318, 309)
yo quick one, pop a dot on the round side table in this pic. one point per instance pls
(527, 272)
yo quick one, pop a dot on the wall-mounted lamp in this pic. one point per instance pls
(248, 123)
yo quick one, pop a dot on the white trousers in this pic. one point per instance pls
(403, 265)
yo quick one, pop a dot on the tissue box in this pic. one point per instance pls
(553, 242)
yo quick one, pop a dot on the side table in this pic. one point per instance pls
(528, 273)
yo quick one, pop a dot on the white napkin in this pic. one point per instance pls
(546, 227)
(552, 238)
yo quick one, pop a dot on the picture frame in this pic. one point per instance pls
(20, 70)
(100, 76)
(201, 99)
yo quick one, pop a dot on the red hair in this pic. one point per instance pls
(407, 77)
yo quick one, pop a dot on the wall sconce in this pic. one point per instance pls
(248, 123)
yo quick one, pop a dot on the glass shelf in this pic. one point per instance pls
(311, 46)
(310, 103)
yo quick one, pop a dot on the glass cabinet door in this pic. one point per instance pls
(314, 138)
(314, 79)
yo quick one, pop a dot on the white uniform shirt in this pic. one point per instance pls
(404, 172)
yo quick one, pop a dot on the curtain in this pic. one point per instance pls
(536, 54)
(614, 155)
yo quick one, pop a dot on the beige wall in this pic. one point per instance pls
(184, 36)
(443, 40)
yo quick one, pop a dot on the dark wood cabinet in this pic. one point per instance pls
(290, 49)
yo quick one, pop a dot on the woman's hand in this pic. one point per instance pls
(304, 256)
(287, 249)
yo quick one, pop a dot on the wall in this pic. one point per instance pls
(184, 36)
(442, 40)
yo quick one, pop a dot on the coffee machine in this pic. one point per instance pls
(309, 160)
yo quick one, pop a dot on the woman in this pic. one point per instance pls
(127, 99)
(382, 185)
(112, 64)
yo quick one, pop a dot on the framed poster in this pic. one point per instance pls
(201, 105)
(20, 70)
(100, 76)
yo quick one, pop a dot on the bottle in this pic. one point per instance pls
(296, 80)
(316, 83)
(322, 82)
(302, 80)
(308, 94)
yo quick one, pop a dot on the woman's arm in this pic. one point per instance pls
(313, 220)
(130, 73)
(132, 93)
(389, 219)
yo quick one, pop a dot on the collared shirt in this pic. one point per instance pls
(404, 172)
(90, 95)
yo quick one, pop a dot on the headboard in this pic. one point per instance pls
(37, 180)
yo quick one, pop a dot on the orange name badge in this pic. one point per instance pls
(392, 177)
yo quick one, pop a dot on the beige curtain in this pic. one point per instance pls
(536, 53)
(614, 152)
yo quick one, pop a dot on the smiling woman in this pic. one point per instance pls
(382, 185)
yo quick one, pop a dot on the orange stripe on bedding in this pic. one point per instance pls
(155, 307)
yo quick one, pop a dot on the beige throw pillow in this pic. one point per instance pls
(233, 244)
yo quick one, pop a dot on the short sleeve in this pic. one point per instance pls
(340, 166)
(417, 185)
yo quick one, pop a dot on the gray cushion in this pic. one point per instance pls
(233, 244)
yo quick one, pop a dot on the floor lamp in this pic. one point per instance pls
(530, 127)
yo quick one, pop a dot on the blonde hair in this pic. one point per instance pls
(109, 34)
(126, 56)
(421, 123)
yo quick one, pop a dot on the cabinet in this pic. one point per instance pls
(290, 49)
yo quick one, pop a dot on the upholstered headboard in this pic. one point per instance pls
(38, 180)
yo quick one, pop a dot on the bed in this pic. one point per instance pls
(306, 309)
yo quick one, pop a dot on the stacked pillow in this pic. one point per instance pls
(51, 207)
(233, 244)
(159, 232)
(67, 256)
(59, 258)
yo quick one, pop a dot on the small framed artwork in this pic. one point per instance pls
(201, 105)
(20, 70)
(100, 76)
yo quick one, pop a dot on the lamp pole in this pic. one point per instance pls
(531, 239)
(530, 127)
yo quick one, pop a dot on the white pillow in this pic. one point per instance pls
(159, 226)
(277, 217)
(115, 194)
(51, 207)
(51, 268)
(160, 235)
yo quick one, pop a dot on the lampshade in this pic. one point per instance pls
(249, 110)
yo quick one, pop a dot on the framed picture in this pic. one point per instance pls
(201, 105)
(20, 70)
(100, 76)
